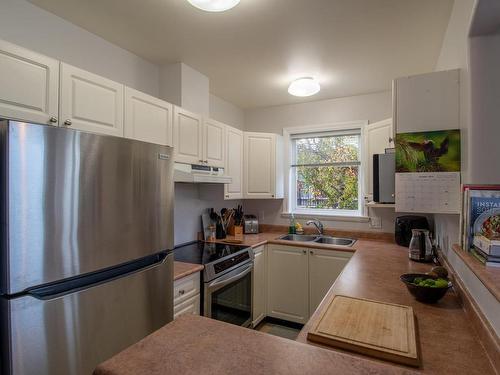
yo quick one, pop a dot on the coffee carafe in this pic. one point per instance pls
(420, 246)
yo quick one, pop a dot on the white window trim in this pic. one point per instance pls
(358, 215)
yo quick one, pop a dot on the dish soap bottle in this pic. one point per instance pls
(291, 228)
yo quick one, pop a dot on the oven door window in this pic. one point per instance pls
(233, 302)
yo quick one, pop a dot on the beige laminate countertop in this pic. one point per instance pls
(489, 276)
(183, 269)
(189, 345)
(197, 345)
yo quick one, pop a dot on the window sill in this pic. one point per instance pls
(349, 218)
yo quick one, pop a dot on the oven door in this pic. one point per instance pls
(229, 297)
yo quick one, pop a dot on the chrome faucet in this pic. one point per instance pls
(318, 224)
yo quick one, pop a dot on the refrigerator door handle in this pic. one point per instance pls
(68, 286)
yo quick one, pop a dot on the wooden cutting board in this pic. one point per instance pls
(378, 329)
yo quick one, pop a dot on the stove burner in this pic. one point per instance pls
(217, 258)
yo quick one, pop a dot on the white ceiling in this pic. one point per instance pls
(253, 51)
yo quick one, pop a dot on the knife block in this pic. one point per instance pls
(236, 231)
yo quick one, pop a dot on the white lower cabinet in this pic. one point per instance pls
(288, 293)
(259, 290)
(191, 306)
(187, 295)
(298, 279)
(324, 268)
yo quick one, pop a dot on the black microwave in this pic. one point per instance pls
(384, 176)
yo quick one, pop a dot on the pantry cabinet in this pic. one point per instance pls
(427, 102)
(90, 102)
(234, 163)
(288, 291)
(147, 118)
(324, 268)
(378, 137)
(188, 136)
(263, 166)
(29, 85)
(259, 291)
(214, 137)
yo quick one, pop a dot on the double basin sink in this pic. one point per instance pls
(339, 241)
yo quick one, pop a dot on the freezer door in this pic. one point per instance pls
(78, 202)
(73, 333)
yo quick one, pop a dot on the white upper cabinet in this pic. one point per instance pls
(288, 293)
(378, 137)
(147, 118)
(263, 165)
(214, 134)
(188, 136)
(427, 102)
(324, 268)
(90, 102)
(29, 85)
(234, 163)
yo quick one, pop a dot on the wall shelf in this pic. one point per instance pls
(380, 205)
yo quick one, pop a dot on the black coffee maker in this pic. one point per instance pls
(404, 226)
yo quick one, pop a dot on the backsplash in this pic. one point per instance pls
(270, 212)
(190, 202)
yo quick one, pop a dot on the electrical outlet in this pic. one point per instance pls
(261, 216)
(376, 222)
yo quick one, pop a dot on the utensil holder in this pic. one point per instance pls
(236, 231)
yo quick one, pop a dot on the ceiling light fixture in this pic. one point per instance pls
(305, 86)
(214, 5)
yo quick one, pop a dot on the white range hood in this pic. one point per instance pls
(200, 174)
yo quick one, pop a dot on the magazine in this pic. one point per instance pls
(483, 215)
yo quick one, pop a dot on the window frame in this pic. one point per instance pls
(289, 202)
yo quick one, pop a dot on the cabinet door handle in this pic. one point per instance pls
(227, 195)
(304, 252)
(53, 120)
(68, 123)
(312, 252)
(391, 140)
(181, 292)
(205, 161)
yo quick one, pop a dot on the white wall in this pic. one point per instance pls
(485, 110)
(26, 25)
(191, 200)
(270, 212)
(480, 83)
(171, 83)
(195, 91)
(223, 111)
(185, 87)
(372, 107)
(453, 55)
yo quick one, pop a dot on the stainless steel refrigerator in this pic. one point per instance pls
(86, 233)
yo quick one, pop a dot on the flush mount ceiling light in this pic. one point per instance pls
(214, 5)
(305, 86)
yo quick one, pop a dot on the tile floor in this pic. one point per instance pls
(277, 329)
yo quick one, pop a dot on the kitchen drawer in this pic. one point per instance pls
(186, 288)
(190, 306)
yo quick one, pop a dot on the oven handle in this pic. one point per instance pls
(224, 280)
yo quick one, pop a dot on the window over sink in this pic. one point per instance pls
(326, 171)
